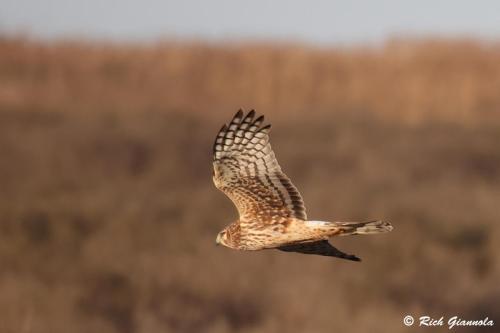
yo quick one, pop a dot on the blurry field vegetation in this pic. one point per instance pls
(108, 214)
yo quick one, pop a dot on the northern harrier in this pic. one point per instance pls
(272, 213)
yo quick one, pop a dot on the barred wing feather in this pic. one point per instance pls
(246, 170)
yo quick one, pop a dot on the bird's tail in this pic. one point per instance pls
(363, 228)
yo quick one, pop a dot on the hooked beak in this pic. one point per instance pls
(217, 241)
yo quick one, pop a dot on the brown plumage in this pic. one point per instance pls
(271, 211)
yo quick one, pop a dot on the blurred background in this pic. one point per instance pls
(108, 111)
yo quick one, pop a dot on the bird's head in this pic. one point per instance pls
(229, 236)
(222, 238)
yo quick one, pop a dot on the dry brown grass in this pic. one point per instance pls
(108, 214)
(415, 81)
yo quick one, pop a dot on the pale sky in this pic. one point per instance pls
(315, 21)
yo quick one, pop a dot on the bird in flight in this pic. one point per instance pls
(271, 211)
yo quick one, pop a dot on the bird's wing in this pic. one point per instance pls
(247, 171)
(322, 248)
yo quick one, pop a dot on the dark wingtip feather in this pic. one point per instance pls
(266, 128)
(238, 114)
(350, 257)
(259, 119)
(223, 128)
(249, 117)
